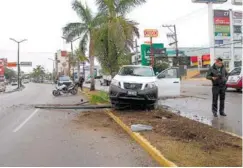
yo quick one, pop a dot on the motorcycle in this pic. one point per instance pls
(64, 89)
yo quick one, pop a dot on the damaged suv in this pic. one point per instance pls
(138, 85)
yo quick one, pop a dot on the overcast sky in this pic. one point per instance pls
(41, 22)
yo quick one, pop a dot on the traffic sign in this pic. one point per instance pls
(151, 33)
(11, 64)
(26, 64)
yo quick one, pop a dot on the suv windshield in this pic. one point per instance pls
(136, 71)
(64, 78)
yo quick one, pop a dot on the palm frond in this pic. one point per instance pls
(83, 43)
(72, 30)
(125, 6)
(103, 5)
(84, 12)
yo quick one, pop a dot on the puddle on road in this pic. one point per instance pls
(189, 115)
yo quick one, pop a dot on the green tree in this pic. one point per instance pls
(115, 37)
(9, 73)
(85, 28)
(38, 72)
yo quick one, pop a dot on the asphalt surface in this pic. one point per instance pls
(195, 103)
(37, 137)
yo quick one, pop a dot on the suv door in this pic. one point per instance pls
(169, 83)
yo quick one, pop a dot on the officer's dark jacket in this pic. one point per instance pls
(222, 75)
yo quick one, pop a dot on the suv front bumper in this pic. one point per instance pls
(147, 96)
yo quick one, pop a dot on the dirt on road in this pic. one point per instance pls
(187, 142)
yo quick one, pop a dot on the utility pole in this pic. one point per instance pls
(136, 51)
(53, 65)
(173, 35)
(18, 64)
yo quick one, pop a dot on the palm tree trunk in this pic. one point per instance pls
(78, 62)
(92, 84)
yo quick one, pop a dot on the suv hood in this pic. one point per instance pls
(135, 79)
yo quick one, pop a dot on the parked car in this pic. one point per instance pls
(13, 83)
(137, 84)
(65, 80)
(235, 79)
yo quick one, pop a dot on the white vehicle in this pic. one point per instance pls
(14, 83)
(136, 84)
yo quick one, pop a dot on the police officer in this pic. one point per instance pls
(218, 75)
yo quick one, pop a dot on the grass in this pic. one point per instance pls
(97, 97)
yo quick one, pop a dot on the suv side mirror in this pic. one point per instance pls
(156, 73)
(162, 75)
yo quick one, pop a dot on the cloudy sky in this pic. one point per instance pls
(41, 22)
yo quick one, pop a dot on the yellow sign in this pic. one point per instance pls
(151, 33)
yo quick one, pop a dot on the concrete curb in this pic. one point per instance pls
(156, 155)
(232, 134)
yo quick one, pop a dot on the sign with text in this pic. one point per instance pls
(221, 20)
(221, 13)
(236, 2)
(151, 33)
(208, 1)
(27, 64)
(222, 28)
(218, 34)
(11, 64)
(64, 53)
(1, 71)
(237, 29)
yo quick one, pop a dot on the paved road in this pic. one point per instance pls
(31, 137)
(197, 105)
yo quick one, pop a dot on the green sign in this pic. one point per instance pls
(219, 34)
(222, 28)
(158, 51)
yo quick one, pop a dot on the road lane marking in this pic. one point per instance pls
(25, 121)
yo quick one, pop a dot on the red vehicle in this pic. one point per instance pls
(235, 79)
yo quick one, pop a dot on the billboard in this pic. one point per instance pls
(236, 2)
(237, 26)
(151, 33)
(208, 1)
(221, 20)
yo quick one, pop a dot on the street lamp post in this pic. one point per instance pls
(53, 62)
(18, 64)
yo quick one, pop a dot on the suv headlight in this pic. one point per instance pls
(150, 85)
(115, 83)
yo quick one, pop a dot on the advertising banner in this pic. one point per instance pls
(237, 14)
(221, 20)
(221, 13)
(222, 28)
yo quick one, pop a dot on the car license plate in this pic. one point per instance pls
(132, 93)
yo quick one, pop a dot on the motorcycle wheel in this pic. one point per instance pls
(55, 93)
(74, 91)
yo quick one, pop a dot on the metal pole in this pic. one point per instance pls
(232, 60)
(211, 32)
(176, 45)
(151, 52)
(72, 57)
(18, 67)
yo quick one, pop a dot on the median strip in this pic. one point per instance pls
(182, 141)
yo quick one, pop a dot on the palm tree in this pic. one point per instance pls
(115, 38)
(120, 29)
(38, 72)
(86, 29)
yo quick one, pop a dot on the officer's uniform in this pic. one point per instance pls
(218, 88)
